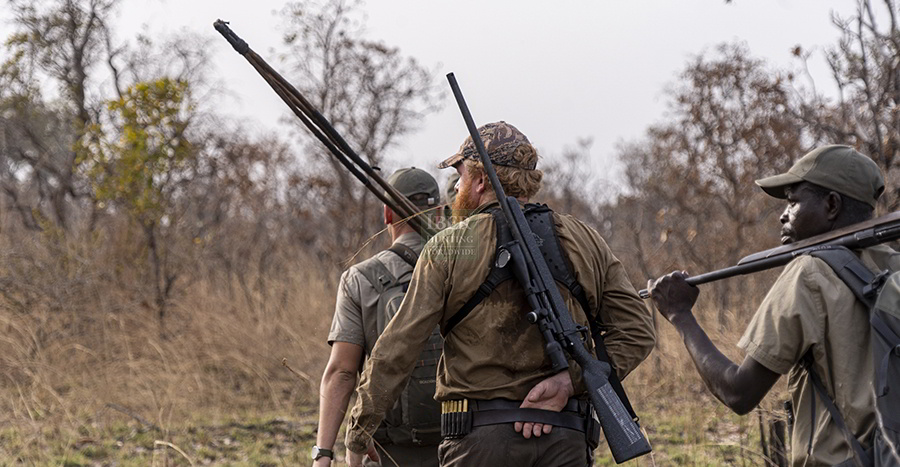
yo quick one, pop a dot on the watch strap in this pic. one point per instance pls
(319, 453)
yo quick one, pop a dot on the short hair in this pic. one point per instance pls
(518, 183)
(853, 211)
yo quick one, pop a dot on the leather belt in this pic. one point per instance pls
(458, 418)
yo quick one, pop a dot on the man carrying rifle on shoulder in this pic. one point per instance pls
(502, 404)
(366, 297)
(810, 325)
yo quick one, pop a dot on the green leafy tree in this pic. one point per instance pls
(137, 163)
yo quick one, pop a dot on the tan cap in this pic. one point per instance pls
(412, 181)
(836, 167)
(500, 141)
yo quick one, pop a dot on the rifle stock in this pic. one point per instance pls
(864, 234)
(549, 312)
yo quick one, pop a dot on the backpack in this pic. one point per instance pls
(881, 295)
(540, 219)
(415, 419)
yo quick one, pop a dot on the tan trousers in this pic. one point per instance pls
(500, 445)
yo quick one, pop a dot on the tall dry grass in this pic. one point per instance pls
(82, 348)
(81, 345)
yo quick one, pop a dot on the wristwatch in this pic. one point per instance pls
(318, 453)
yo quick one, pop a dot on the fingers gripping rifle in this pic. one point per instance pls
(322, 129)
(549, 312)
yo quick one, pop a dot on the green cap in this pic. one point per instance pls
(835, 167)
(412, 181)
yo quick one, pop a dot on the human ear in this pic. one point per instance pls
(833, 205)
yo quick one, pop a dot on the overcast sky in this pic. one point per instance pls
(558, 70)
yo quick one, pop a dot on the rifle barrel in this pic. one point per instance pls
(862, 235)
(322, 129)
(550, 313)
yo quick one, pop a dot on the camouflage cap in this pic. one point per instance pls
(500, 141)
(836, 167)
(412, 181)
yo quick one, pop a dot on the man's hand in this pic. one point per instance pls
(672, 296)
(356, 459)
(550, 394)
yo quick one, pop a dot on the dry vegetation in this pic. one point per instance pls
(90, 377)
(85, 364)
(157, 267)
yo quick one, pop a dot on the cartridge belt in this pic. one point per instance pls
(459, 417)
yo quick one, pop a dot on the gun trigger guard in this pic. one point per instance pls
(582, 331)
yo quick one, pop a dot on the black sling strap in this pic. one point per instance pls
(405, 253)
(860, 456)
(540, 219)
(865, 286)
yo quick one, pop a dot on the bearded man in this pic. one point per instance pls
(493, 363)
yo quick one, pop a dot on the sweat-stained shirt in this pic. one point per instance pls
(809, 308)
(494, 352)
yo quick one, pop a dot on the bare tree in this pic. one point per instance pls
(693, 175)
(865, 70)
(56, 48)
(371, 93)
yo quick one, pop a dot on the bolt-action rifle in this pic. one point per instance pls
(321, 128)
(862, 235)
(549, 312)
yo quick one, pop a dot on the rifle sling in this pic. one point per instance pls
(540, 219)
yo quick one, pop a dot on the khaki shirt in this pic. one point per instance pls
(494, 352)
(810, 308)
(355, 312)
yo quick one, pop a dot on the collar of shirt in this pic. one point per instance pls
(411, 239)
(486, 207)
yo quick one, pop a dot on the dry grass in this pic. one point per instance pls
(89, 377)
(80, 356)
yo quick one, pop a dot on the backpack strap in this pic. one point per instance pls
(860, 456)
(540, 219)
(882, 368)
(543, 225)
(405, 253)
(865, 286)
(853, 272)
(378, 275)
(497, 275)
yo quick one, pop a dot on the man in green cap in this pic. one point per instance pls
(501, 401)
(809, 318)
(367, 297)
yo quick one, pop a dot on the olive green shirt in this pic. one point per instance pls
(810, 308)
(355, 311)
(494, 352)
